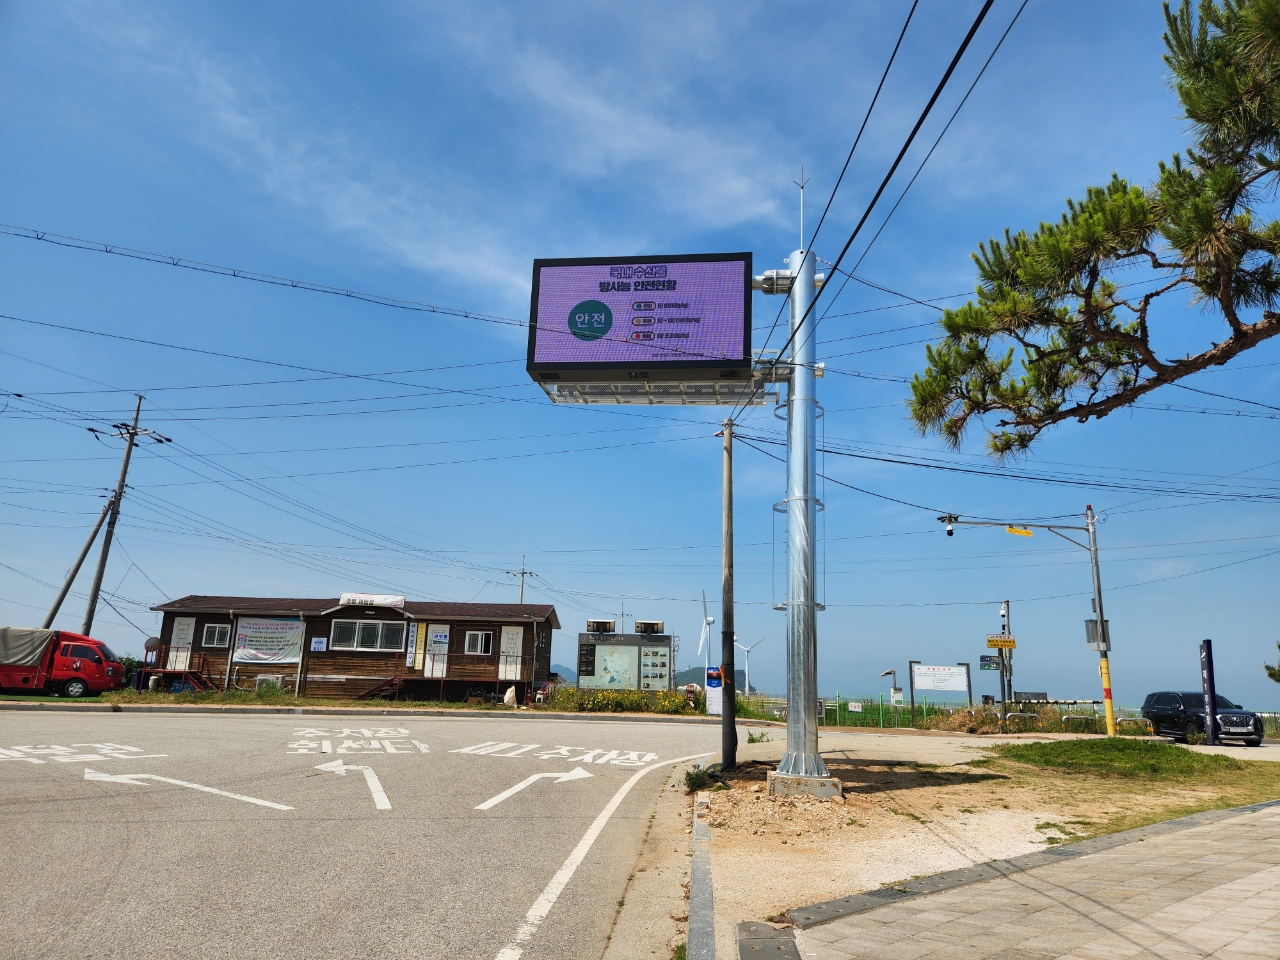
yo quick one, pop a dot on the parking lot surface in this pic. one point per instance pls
(140, 836)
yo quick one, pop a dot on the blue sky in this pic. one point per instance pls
(430, 152)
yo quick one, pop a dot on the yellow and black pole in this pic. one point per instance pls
(1101, 639)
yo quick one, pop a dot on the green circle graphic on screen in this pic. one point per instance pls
(590, 320)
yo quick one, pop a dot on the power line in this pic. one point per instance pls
(866, 117)
(924, 114)
(98, 246)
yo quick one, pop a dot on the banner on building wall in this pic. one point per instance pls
(268, 640)
(419, 633)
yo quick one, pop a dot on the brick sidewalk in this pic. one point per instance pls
(1209, 891)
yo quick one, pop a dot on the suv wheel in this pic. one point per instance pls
(1190, 730)
(75, 688)
(1253, 742)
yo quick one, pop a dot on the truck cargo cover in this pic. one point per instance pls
(23, 646)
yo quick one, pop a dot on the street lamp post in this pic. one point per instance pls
(1097, 629)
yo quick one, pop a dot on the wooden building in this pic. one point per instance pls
(356, 645)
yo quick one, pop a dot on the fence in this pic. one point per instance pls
(1079, 716)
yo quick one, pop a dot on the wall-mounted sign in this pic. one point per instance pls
(268, 640)
(605, 319)
(1000, 641)
(371, 600)
(319, 644)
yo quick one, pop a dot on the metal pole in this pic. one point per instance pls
(75, 568)
(729, 712)
(802, 758)
(911, 683)
(1007, 675)
(92, 607)
(1104, 664)
(968, 682)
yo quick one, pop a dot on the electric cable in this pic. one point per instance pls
(955, 61)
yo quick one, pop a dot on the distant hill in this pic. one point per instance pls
(695, 675)
(566, 672)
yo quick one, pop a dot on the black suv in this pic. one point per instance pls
(1181, 715)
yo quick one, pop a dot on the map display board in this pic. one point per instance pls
(675, 317)
(616, 667)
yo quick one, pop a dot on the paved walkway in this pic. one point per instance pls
(1209, 891)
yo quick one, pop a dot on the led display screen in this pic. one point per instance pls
(689, 311)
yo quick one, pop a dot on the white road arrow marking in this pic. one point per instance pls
(375, 787)
(137, 780)
(577, 773)
(551, 893)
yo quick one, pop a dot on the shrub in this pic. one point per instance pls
(696, 779)
(573, 700)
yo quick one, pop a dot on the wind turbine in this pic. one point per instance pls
(703, 638)
(746, 656)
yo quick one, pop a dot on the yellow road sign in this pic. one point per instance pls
(999, 641)
(1018, 531)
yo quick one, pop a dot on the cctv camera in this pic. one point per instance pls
(950, 531)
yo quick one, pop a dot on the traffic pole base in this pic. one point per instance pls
(823, 788)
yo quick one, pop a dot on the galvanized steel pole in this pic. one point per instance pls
(802, 758)
(729, 710)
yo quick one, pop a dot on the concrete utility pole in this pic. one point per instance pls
(129, 433)
(75, 567)
(729, 713)
(522, 573)
(802, 758)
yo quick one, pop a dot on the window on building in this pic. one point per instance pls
(480, 642)
(217, 635)
(366, 635)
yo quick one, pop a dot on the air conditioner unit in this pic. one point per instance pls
(601, 626)
(650, 626)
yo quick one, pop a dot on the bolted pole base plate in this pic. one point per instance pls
(823, 788)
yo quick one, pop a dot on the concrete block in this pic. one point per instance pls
(820, 787)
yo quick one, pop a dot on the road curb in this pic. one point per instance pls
(702, 916)
(360, 711)
(819, 913)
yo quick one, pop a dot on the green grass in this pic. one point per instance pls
(696, 779)
(1115, 757)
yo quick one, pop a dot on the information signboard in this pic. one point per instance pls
(641, 319)
(1001, 641)
(939, 678)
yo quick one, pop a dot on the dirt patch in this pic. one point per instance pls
(899, 820)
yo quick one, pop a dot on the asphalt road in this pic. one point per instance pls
(96, 867)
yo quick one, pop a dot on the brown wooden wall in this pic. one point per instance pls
(345, 674)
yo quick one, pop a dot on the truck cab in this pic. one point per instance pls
(82, 665)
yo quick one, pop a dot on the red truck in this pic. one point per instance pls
(57, 662)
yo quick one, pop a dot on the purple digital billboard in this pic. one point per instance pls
(682, 312)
